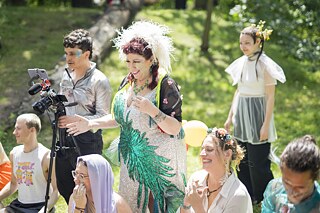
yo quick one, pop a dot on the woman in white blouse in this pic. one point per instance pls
(216, 188)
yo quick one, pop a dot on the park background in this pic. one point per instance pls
(31, 36)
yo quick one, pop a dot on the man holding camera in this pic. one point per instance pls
(89, 93)
(30, 166)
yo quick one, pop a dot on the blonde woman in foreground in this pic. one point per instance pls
(216, 188)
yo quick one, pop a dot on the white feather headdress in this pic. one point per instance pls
(156, 37)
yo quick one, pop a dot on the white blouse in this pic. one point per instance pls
(233, 196)
(243, 73)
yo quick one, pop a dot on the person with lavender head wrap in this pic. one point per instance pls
(93, 191)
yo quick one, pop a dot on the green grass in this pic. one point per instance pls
(206, 88)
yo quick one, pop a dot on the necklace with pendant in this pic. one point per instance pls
(137, 89)
(210, 192)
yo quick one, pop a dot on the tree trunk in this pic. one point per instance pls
(206, 33)
(16, 2)
(200, 4)
(40, 2)
(81, 3)
(181, 4)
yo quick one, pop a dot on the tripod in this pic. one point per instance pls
(60, 111)
(50, 97)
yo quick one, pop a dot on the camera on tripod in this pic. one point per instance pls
(48, 96)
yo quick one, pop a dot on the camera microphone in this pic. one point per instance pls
(35, 89)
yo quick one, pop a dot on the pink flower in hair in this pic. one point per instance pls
(165, 101)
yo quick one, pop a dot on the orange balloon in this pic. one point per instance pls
(195, 132)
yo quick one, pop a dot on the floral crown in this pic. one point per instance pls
(223, 135)
(262, 33)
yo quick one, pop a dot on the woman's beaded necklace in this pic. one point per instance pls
(137, 89)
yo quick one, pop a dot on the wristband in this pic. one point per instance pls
(159, 117)
(80, 209)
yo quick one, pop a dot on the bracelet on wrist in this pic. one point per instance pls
(159, 117)
(186, 207)
(82, 210)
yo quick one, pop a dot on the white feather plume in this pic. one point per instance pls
(154, 34)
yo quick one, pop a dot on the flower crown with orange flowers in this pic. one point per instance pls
(223, 135)
(262, 33)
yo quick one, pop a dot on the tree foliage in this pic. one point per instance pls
(296, 23)
(73, 3)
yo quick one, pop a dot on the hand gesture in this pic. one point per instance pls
(142, 104)
(65, 120)
(195, 195)
(80, 125)
(79, 196)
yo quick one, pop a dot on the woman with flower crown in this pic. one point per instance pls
(251, 111)
(147, 107)
(216, 188)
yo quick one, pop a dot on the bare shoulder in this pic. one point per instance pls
(11, 155)
(46, 157)
(121, 204)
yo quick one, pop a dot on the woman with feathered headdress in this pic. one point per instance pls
(147, 107)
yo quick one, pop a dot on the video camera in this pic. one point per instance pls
(48, 96)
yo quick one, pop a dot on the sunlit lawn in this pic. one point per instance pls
(206, 89)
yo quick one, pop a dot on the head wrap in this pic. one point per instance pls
(101, 182)
(156, 37)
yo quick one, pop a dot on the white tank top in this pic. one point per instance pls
(28, 172)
